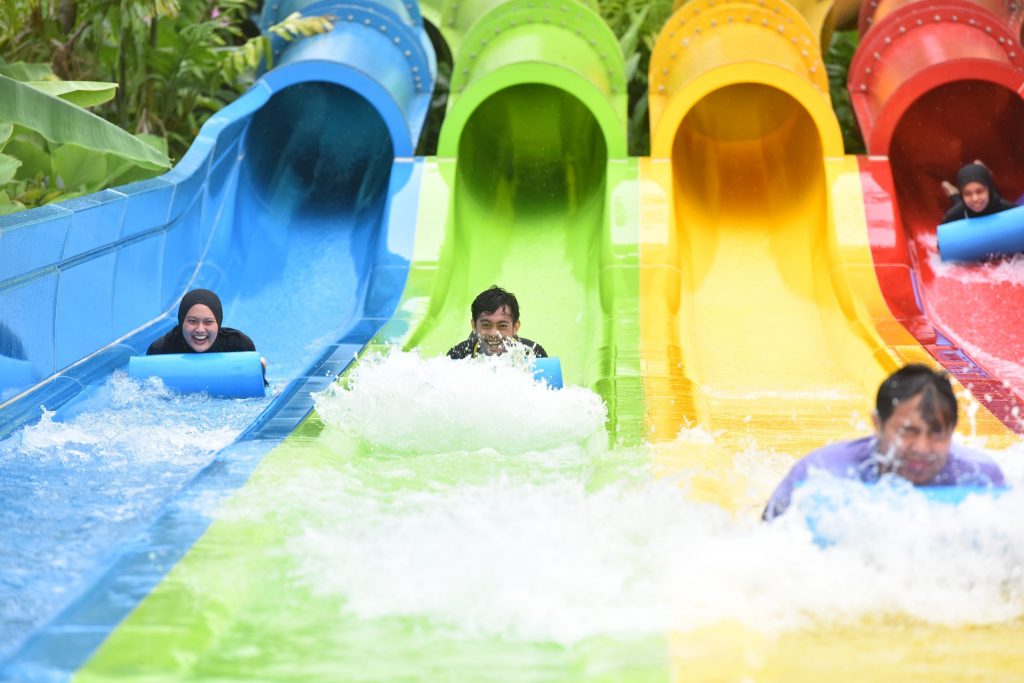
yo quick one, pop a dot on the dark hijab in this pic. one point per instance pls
(201, 296)
(228, 339)
(976, 173)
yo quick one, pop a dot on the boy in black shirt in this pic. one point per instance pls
(495, 322)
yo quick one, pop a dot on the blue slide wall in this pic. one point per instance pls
(311, 147)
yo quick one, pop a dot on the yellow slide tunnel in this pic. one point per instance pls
(821, 15)
(762, 320)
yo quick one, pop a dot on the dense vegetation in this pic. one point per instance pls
(153, 71)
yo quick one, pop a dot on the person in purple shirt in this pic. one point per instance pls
(915, 415)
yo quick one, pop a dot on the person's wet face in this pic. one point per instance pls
(975, 196)
(911, 446)
(492, 329)
(200, 328)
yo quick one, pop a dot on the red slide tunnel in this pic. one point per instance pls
(935, 86)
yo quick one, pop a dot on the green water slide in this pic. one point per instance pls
(532, 189)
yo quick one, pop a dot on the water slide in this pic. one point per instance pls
(725, 286)
(763, 320)
(297, 205)
(531, 188)
(936, 86)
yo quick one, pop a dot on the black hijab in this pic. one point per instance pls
(228, 339)
(976, 173)
(200, 296)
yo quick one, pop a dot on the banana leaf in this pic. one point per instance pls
(24, 71)
(8, 167)
(61, 122)
(82, 93)
(79, 167)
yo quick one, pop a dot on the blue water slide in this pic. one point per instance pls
(307, 155)
(296, 204)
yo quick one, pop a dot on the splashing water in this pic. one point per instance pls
(81, 481)
(1009, 270)
(403, 403)
(523, 531)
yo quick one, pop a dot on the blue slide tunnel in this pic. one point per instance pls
(302, 165)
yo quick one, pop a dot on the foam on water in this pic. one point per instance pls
(549, 541)
(82, 480)
(987, 291)
(1009, 270)
(403, 403)
(127, 421)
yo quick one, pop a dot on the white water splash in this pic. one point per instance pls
(126, 420)
(556, 561)
(403, 403)
(502, 547)
(997, 271)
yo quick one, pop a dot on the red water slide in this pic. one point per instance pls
(936, 85)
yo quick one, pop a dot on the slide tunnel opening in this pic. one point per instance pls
(308, 217)
(979, 305)
(535, 149)
(320, 149)
(528, 213)
(748, 151)
(759, 327)
(748, 158)
(946, 128)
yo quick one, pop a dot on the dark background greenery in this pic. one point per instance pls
(167, 57)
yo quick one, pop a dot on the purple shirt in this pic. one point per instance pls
(856, 460)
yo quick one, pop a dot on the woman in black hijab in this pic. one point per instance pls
(978, 195)
(199, 328)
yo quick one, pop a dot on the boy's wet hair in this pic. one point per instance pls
(493, 300)
(938, 404)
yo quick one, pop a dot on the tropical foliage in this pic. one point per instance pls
(837, 61)
(50, 147)
(164, 55)
(636, 23)
(156, 68)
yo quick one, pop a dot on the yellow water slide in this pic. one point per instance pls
(763, 326)
(762, 317)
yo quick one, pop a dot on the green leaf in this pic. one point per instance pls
(629, 40)
(8, 205)
(119, 172)
(31, 150)
(155, 141)
(61, 122)
(82, 93)
(79, 167)
(8, 168)
(631, 65)
(23, 71)
(5, 133)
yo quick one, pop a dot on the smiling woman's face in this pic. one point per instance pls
(975, 196)
(200, 328)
